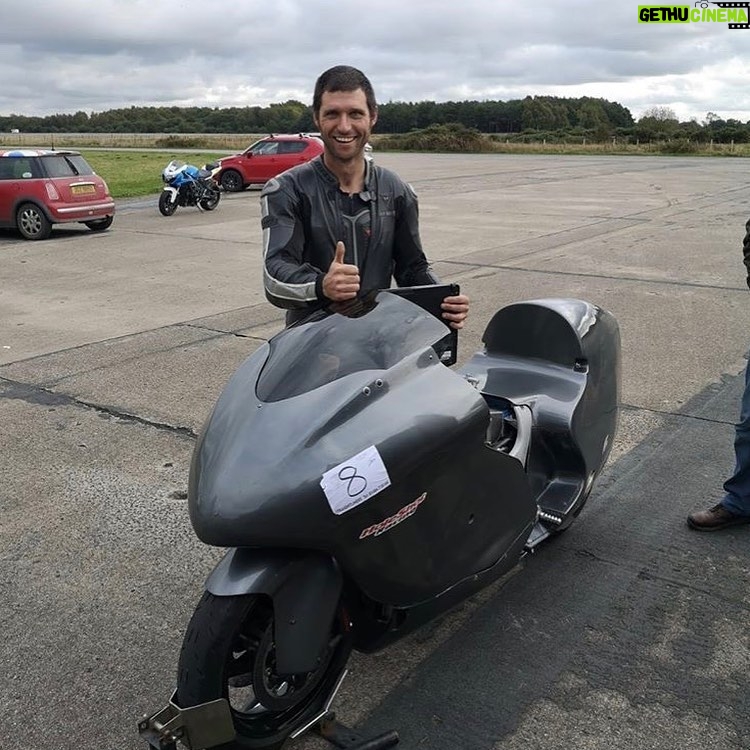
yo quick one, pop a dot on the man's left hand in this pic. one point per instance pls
(455, 310)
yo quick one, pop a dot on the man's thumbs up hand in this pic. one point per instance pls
(342, 280)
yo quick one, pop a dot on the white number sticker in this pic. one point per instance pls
(355, 480)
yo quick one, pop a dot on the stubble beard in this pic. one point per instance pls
(333, 153)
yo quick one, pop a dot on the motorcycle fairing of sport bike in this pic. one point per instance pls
(363, 488)
(187, 185)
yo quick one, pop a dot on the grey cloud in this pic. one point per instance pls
(77, 55)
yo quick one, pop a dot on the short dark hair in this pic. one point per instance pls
(343, 78)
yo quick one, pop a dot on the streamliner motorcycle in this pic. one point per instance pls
(364, 488)
(187, 185)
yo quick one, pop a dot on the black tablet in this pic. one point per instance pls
(429, 297)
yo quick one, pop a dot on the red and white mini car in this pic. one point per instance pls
(39, 188)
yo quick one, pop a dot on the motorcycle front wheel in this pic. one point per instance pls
(229, 652)
(211, 199)
(167, 206)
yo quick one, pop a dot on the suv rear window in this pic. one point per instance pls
(66, 165)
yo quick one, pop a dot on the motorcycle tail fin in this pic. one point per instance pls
(560, 359)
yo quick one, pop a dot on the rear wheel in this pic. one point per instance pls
(167, 204)
(99, 225)
(211, 199)
(232, 181)
(229, 652)
(32, 223)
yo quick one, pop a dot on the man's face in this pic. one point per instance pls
(345, 124)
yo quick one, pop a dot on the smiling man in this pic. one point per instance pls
(341, 224)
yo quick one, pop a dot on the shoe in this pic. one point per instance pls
(714, 519)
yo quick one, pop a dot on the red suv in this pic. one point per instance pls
(40, 188)
(267, 158)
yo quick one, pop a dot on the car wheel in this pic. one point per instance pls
(99, 225)
(232, 181)
(32, 222)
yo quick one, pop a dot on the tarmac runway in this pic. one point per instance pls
(628, 631)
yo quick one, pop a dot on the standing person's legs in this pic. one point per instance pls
(737, 487)
(734, 508)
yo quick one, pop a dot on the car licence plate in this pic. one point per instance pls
(82, 189)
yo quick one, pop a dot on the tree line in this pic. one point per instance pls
(531, 118)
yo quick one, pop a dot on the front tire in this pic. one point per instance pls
(167, 206)
(232, 181)
(32, 222)
(229, 652)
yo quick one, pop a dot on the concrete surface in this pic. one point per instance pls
(628, 631)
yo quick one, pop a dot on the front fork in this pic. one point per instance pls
(175, 193)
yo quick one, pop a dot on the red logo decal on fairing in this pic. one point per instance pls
(394, 520)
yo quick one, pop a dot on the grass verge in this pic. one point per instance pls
(132, 163)
(131, 174)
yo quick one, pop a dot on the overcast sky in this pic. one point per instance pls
(93, 55)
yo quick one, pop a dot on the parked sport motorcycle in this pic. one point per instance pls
(364, 488)
(186, 185)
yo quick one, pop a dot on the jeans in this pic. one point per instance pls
(737, 487)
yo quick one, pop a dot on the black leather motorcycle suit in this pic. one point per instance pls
(304, 215)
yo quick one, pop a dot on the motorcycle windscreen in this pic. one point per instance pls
(374, 333)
